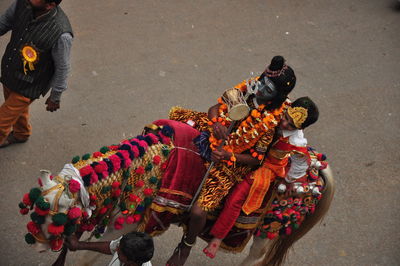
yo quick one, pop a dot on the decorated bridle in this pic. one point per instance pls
(63, 223)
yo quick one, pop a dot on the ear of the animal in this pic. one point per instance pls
(45, 177)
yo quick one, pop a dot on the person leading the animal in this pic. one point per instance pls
(289, 150)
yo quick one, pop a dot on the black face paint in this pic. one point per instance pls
(265, 90)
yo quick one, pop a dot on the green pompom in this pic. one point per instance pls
(148, 167)
(295, 226)
(34, 194)
(106, 189)
(128, 188)
(126, 174)
(21, 205)
(153, 180)
(69, 229)
(37, 219)
(30, 239)
(40, 203)
(86, 156)
(165, 151)
(104, 149)
(75, 159)
(263, 235)
(105, 221)
(59, 219)
(107, 201)
(97, 235)
(148, 201)
(122, 206)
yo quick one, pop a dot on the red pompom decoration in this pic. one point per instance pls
(156, 159)
(115, 184)
(134, 198)
(143, 144)
(102, 168)
(26, 200)
(93, 197)
(97, 154)
(41, 212)
(24, 211)
(153, 137)
(140, 170)
(116, 193)
(139, 183)
(33, 228)
(118, 226)
(164, 166)
(74, 186)
(103, 210)
(116, 162)
(55, 230)
(137, 217)
(135, 151)
(271, 235)
(94, 178)
(74, 213)
(288, 230)
(130, 220)
(56, 244)
(87, 170)
(148, 191)
(120, 220)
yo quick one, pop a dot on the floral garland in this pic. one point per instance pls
(249, 131)
(96, 171)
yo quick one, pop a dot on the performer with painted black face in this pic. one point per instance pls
(248, 195)
(239, 152)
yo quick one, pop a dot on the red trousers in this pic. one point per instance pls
(14, 115)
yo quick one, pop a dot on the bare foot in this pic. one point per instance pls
(212, 248)
(180, 255)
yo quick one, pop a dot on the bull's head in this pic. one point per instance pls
(56, 212)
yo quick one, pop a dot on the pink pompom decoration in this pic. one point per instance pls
(153, 137)
(74, 213)
(101, 168)
(116, 161)
(135, 151)
(94, 178)
(137, 217)
(87, 170)
(74, 186)
(143, 144)
(120, 220)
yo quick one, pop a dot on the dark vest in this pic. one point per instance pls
(41, 34)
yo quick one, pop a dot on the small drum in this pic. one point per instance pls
(236, 102)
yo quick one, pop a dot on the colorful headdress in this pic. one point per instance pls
(299, 115)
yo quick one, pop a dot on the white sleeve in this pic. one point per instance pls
(114, 245)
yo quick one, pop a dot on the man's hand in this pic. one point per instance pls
(72, 243)
(219, 155)
(52, 106)
(220, 131)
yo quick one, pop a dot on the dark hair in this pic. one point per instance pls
(312, 110)
(283, 78)
(138, 247)
(57, 2)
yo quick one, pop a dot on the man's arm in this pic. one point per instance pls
(73, 244)
(7, 19)
(61, 56)
(247, 159)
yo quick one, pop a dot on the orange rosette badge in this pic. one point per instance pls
(30, 57)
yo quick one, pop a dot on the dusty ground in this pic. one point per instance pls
(133, 60)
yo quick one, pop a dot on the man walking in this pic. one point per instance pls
(36, 59)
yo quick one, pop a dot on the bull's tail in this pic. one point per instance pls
(279, 248)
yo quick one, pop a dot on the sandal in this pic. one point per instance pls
(178, 251)
(11, 140)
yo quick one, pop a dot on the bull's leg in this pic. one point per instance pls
(257, 251)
